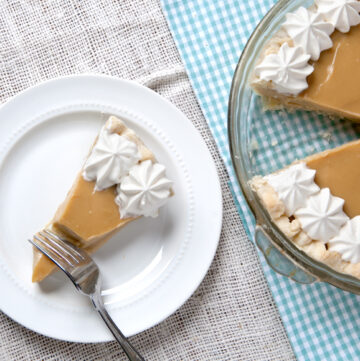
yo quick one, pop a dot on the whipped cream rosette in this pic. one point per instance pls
(111, 159)
(310, 31)
(347, 241)
(287, 69)
(341, 13)
(293, 185)
(144, 190)
(322, 216)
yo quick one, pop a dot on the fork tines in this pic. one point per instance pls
(56, 248)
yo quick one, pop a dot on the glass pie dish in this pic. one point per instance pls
(262, 142)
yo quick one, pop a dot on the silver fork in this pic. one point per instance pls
(85, 275)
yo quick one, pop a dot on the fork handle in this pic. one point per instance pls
(130, 351)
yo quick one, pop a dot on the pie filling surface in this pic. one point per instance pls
(335, 83)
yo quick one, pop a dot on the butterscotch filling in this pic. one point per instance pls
(88, 215)
(339, 170)
(335, 82)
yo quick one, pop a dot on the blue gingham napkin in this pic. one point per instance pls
(322, 322)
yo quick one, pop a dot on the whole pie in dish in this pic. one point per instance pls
(313, 63)
(119, 182)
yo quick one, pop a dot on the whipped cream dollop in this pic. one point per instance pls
(110, 159)
(309, 30)
(347, 241)
(341, 13)
(287, 69)
(322, 216)
(293, 185)
(143, 190)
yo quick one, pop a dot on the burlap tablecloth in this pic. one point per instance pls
(232, 315)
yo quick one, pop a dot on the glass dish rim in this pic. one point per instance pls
(319, 270)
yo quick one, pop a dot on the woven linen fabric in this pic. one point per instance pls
(322, 322)
(232, 315)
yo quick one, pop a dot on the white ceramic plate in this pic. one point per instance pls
(153, 265)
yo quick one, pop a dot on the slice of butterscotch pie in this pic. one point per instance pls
(119, 182)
